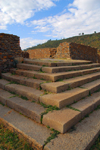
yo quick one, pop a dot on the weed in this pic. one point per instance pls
(2, 104)
(12, 92)
(33, 101)
(13, 73)
(73, 108)
(46, 92)
(59, 80)
(53, 136)
(24, 97)
(73, 128)
(44, 65)
(42, 79)
(49, 108)
(48, 127)
(12, 96)
(34, 77)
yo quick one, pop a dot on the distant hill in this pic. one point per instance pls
(92, 40)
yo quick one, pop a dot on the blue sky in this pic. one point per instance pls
(36, 21)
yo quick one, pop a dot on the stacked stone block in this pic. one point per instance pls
(9, 49)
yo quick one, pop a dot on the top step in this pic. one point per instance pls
(55, 62)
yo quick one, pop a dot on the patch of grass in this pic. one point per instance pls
(49, 108)
(11, 141)
(53, 135)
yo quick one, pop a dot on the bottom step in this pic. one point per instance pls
(82, 138)
(35, 133)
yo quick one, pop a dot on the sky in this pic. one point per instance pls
(37, 21)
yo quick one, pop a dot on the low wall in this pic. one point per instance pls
(9, 49)
(41, 53)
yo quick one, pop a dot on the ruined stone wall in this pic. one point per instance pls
(41, 53)
(66, 50)
(63, 51)
(76, 51)
(82, 52)
(9, 49)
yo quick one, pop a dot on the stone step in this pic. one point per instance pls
(87, 104)
(26, 128)
(82, 137)
(92, 86)
(53, 63)
(62, 99)
(27, 108)
(69, 68)
(28, 66)
(31, 93)
(54, 76)
(64, 119)
(61, 86)
(35, 83)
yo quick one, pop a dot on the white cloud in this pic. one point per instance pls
(83, 16)
(29, 42)
(18, 11)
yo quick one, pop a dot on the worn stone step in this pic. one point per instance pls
(62, 99)
(30, 93)
(69, 68)
(87, 104)
(54, 76)
(28, 66)
(33, 132)
(92, 86)
(58, 87)
(35, 83)
(27, 108)
(82, 137)
(53, 63)
(62, 120)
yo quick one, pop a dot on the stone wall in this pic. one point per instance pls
(63, 51)
(42, 53)
(9, 49)
(82, 52)
(76, 51)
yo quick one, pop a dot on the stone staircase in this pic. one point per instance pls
(46, 97)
